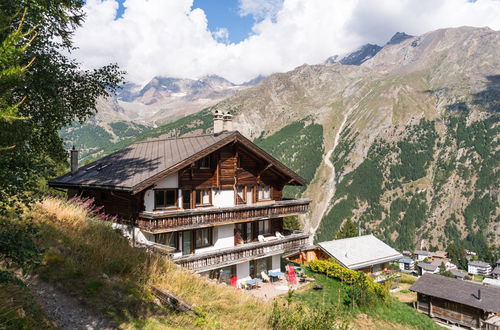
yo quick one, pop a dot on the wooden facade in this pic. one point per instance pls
(459, 302)
(450, 311)
(166, 222)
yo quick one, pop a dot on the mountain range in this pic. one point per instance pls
(402, 139)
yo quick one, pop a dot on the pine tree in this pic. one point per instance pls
(348, 229)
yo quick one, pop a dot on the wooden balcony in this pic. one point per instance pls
(244, 252)
(162, 222)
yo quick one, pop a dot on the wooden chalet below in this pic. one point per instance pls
(162, 222)
(241, 253)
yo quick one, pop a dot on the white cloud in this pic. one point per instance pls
(260, 9)
(222, 35)
(169, 38)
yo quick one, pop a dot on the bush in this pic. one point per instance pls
(363, 291)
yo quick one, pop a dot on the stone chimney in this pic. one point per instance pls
(74, 160)
(228, 122)
(218, 122)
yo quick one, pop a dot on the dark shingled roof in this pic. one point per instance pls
(144, 163)
(463, 292)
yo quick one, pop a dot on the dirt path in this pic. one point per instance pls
(67, 312)
(322, 206)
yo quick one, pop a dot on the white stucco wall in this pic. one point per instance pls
(242, 271)
(171, 181)
(223, 198)
(223, 238)
(276, 264)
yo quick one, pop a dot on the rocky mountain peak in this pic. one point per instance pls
(398, 37)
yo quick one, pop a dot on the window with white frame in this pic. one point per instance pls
(264, 193)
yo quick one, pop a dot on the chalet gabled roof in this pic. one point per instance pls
(361, 251)
(463, 292)
(142, 164)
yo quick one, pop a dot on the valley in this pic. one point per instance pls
(411, 134)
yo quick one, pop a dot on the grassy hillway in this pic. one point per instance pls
(91, 275)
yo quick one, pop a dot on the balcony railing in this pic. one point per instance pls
(162, 222)
(240, 253)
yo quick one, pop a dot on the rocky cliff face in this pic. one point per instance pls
(408, 137)
(136, 109)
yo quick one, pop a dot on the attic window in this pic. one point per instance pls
(264, 193)
(204, 162)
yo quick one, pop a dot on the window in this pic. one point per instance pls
(264, 193)
(203, 197)
(203, 237)
(264, 227)
(242, 195)
(256, 267)
(243, 233)
(165, 198)
(204, 162)
(168, 239)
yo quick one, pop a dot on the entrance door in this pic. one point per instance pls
(186, 199)
(187, 243)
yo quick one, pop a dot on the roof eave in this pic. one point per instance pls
(62, 185)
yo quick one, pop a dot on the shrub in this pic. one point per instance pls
(363, 291)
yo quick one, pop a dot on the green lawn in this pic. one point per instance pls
(393, 311)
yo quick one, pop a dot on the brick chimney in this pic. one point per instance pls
(218, 122)
(74, 160)
(228, 122)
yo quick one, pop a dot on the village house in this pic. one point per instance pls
(459, 302)
(433, 266)
(421, 255)
(363, 253)
(213, 202)
(407, 265)
(478, 267)
(459, 274)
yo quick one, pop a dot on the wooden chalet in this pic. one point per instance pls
(454, 301)
(214, 201)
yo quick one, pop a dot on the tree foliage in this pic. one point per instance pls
(41, 91)
(348, 229)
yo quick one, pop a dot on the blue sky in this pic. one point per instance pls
(220, 14)
(224, 14)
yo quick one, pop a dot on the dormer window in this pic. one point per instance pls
(204, 163)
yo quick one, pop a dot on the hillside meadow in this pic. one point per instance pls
(85, 258)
